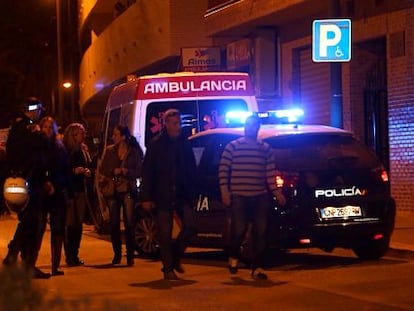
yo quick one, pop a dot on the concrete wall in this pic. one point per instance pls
(146, 33)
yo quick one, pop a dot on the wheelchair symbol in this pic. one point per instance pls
(338, 52)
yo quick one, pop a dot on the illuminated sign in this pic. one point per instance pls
(331, 40)
(195, 86)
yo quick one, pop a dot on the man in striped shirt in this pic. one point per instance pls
(247, 181)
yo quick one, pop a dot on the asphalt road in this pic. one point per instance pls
(299, 280)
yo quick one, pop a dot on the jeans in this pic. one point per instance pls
(172, 252)
(29, 232)
(252, 209)
(128, 203)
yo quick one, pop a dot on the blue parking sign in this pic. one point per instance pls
(331, 40)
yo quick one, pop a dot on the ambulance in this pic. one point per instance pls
(204, 100)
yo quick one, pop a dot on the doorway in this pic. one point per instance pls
(376, 101)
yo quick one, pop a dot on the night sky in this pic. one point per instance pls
(27, 53)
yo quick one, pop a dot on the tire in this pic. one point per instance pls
(372, 249)
(146, 243)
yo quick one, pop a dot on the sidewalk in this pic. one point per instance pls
(402, 240)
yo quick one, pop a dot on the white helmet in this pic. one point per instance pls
(16, 193)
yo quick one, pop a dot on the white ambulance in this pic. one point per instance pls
(202, 98)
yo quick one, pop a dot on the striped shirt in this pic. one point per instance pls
(247, 168)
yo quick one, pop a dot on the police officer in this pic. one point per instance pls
(27, 150)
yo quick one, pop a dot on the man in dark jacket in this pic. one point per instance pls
(27, 150)
(168, 180)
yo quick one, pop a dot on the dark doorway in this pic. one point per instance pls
(376, 100)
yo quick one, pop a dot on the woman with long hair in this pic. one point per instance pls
(80, 162)
(122, 163)
(56, 203)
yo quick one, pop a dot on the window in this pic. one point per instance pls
(196, 116)
(321, 152)
(114, 119)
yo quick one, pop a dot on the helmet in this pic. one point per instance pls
(33, 108)
(16, 193)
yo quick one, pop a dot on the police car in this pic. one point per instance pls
(337, 191)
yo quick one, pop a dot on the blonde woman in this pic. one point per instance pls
(80, 161)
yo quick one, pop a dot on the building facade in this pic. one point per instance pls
(121, 38)
(375, 94)
(372, 95)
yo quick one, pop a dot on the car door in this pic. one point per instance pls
(212, 215)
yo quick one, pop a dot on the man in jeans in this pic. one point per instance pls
(168, 179)
(247, 181)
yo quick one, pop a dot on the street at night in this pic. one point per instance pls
(275, 138)
(298, 280)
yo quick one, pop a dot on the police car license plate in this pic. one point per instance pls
(340, 212)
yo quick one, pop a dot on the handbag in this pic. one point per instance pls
(122, 183)
(106, 186)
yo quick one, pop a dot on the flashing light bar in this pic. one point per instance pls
(292, 115)
(237, 117)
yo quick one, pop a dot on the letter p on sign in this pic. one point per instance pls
(331, 40)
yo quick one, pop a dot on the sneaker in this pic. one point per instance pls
(233, 265)
(258, 274)
(233, 270)
(170, 276)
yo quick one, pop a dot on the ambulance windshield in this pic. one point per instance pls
(197, 115)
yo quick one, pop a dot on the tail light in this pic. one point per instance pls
(378, 236)
(380, 174)
(284, 179)
(384, 176)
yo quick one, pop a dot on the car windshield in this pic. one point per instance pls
(321, 151)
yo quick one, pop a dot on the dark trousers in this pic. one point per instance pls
(171, 253)
(29, 232)
(252, 209)
(75, 216)
(125, 201)
(56, 206)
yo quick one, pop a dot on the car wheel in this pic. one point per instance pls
(146, 242)
(372, 249)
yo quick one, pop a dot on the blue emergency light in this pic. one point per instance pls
(292, 115)
(237, 117)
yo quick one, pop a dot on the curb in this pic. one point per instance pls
(400, 252)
